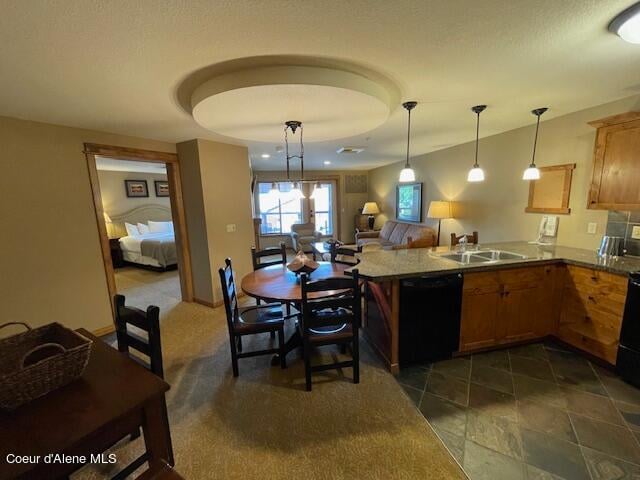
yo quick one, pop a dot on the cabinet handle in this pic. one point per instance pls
(590, 297)
(594, 278)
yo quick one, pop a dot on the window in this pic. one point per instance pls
(278, 212)
(323, 208)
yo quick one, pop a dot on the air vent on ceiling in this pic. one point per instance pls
(350, 150)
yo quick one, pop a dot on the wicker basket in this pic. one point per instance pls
(39, 361)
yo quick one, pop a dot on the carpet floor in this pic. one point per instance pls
(265, 425)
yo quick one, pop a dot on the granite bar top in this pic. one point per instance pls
(380, 265)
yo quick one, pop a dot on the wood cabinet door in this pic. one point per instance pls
(616, 169)
(527, 308)
(480, 304)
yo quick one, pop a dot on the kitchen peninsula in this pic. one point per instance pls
(540, 291)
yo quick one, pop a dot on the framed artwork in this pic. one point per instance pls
(409, 202)
(136, 188)
(162, 188)
(551, 193)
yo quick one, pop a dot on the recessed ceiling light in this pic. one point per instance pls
(327, 162)
(265, 155)
(627, 24)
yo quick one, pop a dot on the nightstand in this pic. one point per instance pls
(116, 253)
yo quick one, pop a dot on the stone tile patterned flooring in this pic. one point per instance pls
(531, 412)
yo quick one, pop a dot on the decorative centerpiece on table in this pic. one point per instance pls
(301, 263)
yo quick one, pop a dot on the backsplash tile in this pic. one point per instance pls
(620, 224)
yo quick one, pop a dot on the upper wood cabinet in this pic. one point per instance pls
(615, 182)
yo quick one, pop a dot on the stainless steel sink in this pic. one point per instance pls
(500, 255)
(481, 256)
(464, 258)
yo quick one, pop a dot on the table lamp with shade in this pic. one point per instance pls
(107, 223)
(440, 209)
(371, 209)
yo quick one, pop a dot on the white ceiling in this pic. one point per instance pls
(114, 165)
(117, 66)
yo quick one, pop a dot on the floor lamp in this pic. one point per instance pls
(439, 209)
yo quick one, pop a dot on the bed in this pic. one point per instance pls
(147, 249)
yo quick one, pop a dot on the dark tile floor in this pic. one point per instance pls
(531, 412)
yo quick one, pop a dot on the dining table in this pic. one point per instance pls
(56, 434)
(278, 284)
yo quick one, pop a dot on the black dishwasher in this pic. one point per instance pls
(628, 362)
(429, 327)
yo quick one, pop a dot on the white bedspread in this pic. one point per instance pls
(132, 243)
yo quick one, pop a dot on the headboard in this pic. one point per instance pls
(141, 214)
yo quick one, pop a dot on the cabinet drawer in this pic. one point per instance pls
(522, 276)
(588, 338)
(596, 298)
(575, 311)
(588, 279)
(481, 283)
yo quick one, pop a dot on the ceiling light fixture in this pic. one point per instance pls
(265, 155)
(407, 174)
(327, 162)
(294, 125)
(627, 24)
(476, 174)
(532, 172)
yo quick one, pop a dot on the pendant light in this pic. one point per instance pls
(296, 192)
(315, 192)
(275, 191)
(532, 173)
(294, 125)
(407, 174)
(476, 174)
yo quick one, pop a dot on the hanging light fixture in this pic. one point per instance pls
(275, 191)
(476, 174)
(532, 173)
(407, 174)
(315, 192)
(293, 125)
(296, 191)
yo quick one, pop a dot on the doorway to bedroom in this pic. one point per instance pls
(140, 218)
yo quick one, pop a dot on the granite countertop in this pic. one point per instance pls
(382, 265)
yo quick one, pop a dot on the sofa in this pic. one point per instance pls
(303, 235)
(395, 234)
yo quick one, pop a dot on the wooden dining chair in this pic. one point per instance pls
(344, 255)
(330, 320)
(150, 347)
(471, 238)
(258, 263)
(249, 321)
(258, 255)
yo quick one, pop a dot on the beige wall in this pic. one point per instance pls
(114, 197)
(495, 207)
(196, 222)
(52, 267)
(218, 177)
(349, 202)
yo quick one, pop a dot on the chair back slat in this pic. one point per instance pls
(325, 284)
(334, 309)
(342, 251)
(229, 295)
(148, 322)
(257, 255)
(471, 238)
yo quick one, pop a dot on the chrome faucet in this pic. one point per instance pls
(462, 244)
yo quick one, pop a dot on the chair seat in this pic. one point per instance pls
(263, 318)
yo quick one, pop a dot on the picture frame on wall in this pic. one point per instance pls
(136, 188)
(409, 202)
(162, 188)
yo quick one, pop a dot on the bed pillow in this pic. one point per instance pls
(160, 227)
(132, 230)
(143, 228)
